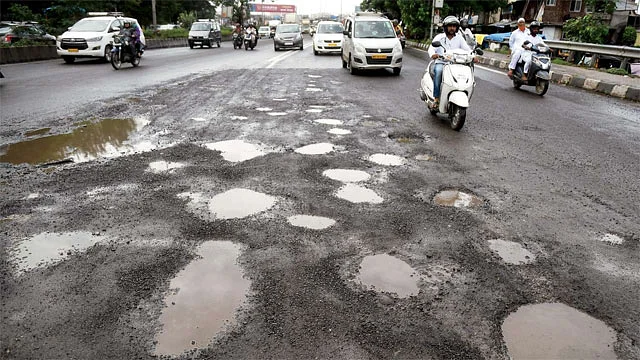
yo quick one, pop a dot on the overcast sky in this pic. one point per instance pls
(317, 6)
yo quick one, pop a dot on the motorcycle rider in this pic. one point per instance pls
(133, 33)
(517, 38)
(251, 30)
(532, 39)
(449, 40)
(140, 45)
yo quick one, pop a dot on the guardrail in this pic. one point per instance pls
(621, 51)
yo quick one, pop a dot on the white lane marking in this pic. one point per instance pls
(274, 60)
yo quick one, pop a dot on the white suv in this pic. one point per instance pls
(90, 37)
(370, 42)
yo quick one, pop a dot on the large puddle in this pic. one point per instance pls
(385, 273)
(386, 159)
(511, 252)
(204, 299)
(315, 149)
(338, 131)
(47, 248)
(239, 203)
(556, 331)
(457, 199)
(311, 222)
(358, 194)
(105, 138)
(346, 175)
(236, 150)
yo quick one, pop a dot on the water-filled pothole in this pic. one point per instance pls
(314, 110)
(406, 137)
(263, 109)
(311, 222)
(158, 167)
(556, 331)
(386, 159)
(612, 239)
(105, 138)
(315, 149)
(511, 252)
(205, 298)
(334, 122)
(338, 131)
(358, 194)
(240, 203)
(346, 175)
(276, 113)
(314, 76)
(456, 198)
(386, 273)
(236, 150)
(46, 248)
(312, 89)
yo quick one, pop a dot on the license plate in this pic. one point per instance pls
(288, 44)
(72, 50)
(332, 45)
(378, 56)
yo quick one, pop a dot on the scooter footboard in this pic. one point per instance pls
(459, 98)
(544, 75)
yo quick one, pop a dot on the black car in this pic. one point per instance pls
(14, 32)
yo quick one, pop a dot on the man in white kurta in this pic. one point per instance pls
(517, 38)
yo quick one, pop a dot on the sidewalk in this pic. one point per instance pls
(624, 87)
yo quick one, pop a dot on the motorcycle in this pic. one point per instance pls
(538, 75)
(237, 40)
(457, 85)
(250, 41)
(121, 52)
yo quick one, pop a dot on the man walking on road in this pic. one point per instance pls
(517, 38)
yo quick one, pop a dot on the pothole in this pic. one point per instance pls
(333, 122)
(315, 76)
(238, 117)
(232, 204)
(105, 138)
(315, 149)
(236, 150)
(556, 331)
(203, 300)
(158, 167)
(318, 106)
(386, 159)
(511, 252)
(386, 273)
(47, 248)
(457, 199)
(314, 110)
(612, 239)
(311, 222)
(406, 137)
(198, 119)
(424, 157)
(263, 109)
(276, 113)
(312, 89)
(346, 175)
(358, 194)
(279, 99)
(42, 131)
(338, 131)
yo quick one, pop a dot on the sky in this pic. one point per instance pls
(318, 6)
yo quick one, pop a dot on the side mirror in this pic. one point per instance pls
(345, 32)
(479, 52)
(115, 29)
(436, 44)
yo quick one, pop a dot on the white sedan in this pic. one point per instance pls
(328, 37)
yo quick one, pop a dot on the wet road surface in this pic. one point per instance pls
(297, 211)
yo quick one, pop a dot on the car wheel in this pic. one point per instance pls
(69, 59)
(209, 45)
(275, 48)
(315, 52)
(352, 70)
(191, 45)
(107, 53)
(396, 71)
(344, 63)
(218, 43)
(301, 46)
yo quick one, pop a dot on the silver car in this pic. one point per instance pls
(288, 36)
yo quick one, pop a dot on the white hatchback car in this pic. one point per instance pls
(328, 37)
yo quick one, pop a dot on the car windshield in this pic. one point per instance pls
(329, 29)
(91, 25)
(374, 29)
(288, 29)
(201, 26)
(264, 28)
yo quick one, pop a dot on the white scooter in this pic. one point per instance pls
(457, 85)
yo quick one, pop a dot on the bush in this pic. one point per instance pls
(225, 31)
(179, 33)
(617, 71)
(587, 29)
(26, 42)
(629, 36)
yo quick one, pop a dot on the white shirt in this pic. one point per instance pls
(535, 40)
(518, 38)
(457, 42)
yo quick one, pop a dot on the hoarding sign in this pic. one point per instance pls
(287, 9)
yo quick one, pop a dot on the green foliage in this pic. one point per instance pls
(617, 71)
(187, 18)
(167, 34)
(559, 61)
(25, 42)
(19, 12)
(601, 6)
(587, 29)
(225, 31)
(629, 36)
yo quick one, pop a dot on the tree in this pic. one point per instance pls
(586, 29)
(629, 36)
(20, 12)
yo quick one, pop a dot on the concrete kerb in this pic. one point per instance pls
(619, 91)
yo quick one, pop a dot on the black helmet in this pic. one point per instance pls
(126, 22)
(534, 24)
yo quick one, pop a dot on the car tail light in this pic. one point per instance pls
(7, 38)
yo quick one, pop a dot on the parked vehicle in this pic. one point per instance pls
(328, 37)
(238, 40)
(91, 37)
(538, 75)
(122, 52)
(458, 82)
(370, 42)
(288, 36)
(204, 32)
(11, 33)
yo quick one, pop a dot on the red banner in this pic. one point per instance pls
(289, 9)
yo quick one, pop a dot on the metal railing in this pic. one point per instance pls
(620, 51)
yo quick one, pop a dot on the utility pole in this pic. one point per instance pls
(433, 10)
(153, 13)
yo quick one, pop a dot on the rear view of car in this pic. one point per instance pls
(328, 37)
(288, 36)
(263, 32)
(12, 33)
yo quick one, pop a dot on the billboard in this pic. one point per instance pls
(259, 8)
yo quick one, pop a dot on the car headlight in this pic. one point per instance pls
(397, 48)
(95, 39)
(59, 38)
(359, 49)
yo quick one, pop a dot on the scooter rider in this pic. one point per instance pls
(517, 38)
(449, 40)
(251, 30)
(532, 39)
(467, 34)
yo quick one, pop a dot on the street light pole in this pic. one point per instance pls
(433, 10)
(153, 13)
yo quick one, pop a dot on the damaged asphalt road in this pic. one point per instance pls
(294, 219)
